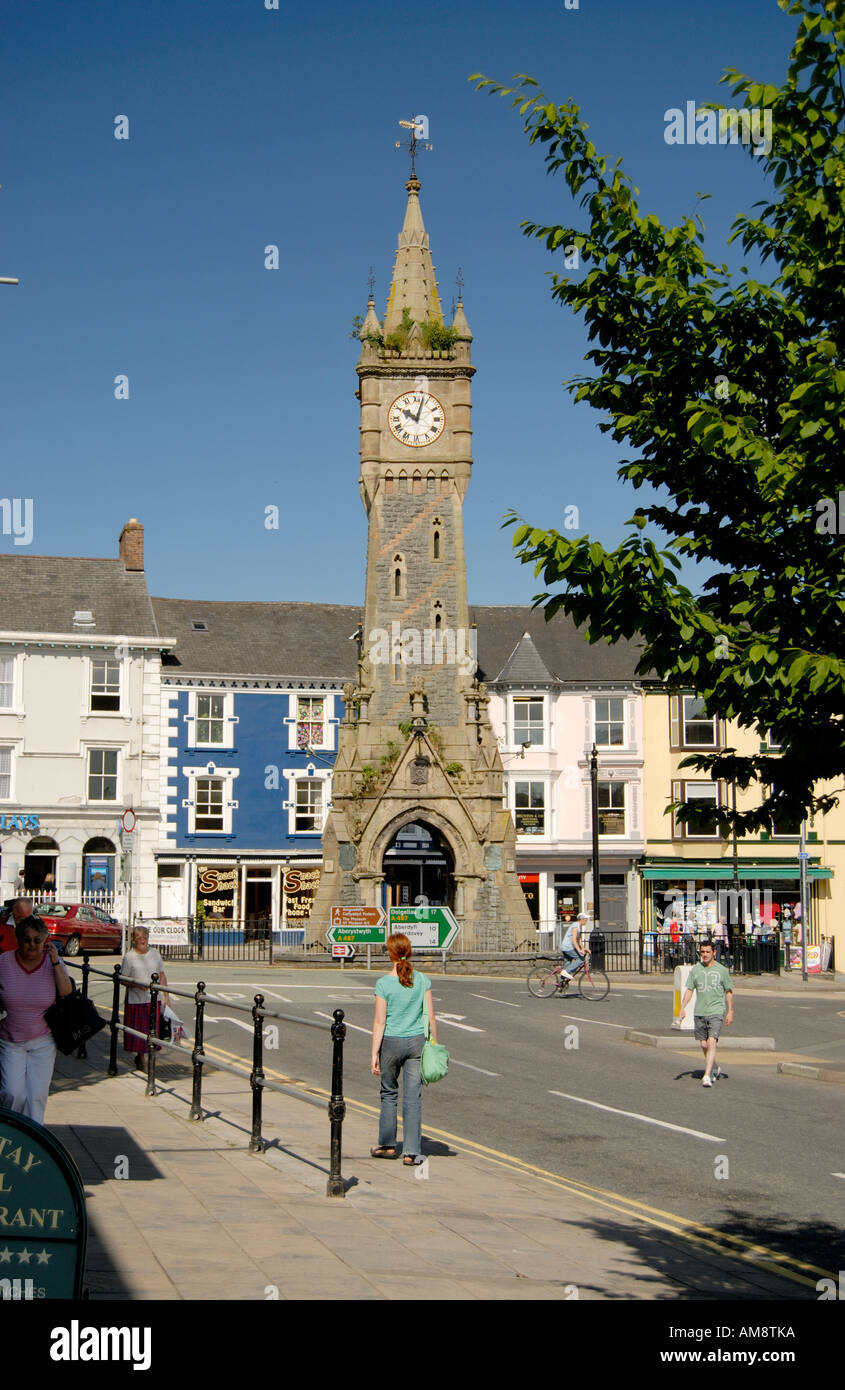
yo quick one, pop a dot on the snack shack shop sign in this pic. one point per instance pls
(43, 1225)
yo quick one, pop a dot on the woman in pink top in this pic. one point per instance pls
(30, 980)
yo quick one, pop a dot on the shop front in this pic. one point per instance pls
(257, 905)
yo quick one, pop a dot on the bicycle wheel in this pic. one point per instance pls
(592, 983)
(542, 980)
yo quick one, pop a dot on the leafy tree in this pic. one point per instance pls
(730, 392)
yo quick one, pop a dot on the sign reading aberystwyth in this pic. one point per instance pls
(43, 1225)
(434, 927)
(359, 926)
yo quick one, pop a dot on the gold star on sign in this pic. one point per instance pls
(43, 1257)
(24, 1257)
(5, 1256)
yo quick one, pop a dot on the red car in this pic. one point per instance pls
(78, 927)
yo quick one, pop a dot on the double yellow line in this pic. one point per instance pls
(720, 1242)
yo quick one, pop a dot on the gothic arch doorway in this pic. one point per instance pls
(419, 868)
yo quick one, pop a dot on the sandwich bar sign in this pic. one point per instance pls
(43, 1223)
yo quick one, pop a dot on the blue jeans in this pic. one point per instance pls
(401, 1054)
(572, 961)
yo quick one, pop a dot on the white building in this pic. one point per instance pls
(552, 697)
(80, 710)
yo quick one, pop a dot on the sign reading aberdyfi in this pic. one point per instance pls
(43, 1224)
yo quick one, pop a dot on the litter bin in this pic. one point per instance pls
(597, 948)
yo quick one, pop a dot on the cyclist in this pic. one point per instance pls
(573, 948)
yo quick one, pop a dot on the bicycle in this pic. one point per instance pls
(545, 979)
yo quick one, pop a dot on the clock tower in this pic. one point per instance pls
(417, 813)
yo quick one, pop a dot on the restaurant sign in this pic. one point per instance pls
(43, 1223)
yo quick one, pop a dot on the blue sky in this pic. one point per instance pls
(251, 127)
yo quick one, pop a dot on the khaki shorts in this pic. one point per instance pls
(708, 1027)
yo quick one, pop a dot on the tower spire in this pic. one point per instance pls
(414, 286)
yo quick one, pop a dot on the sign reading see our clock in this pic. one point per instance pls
(416, 418)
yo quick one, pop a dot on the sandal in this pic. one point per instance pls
(413, 1160)
(383, 1151)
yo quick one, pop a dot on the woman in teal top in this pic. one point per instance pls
(398, 1038)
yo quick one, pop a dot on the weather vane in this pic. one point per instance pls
(371, 280)
(12, 280)
(418, 139)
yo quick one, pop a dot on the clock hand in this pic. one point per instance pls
(416, 418)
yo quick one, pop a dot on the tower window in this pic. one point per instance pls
(444, 484)
(429, 483)
(403, 482)
(398, 576)
(435, 545)
(388, 485)
(417, 487)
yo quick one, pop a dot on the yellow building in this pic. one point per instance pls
(688, 871)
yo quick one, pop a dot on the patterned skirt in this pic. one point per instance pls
(138, 1016)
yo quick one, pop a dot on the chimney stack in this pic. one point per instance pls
(131, 547)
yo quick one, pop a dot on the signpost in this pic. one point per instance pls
(343, 953)
(357, 926)
(43, 1224)
(432, 927)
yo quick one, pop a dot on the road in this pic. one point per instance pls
(554, 1084)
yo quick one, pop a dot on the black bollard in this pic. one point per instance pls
(82, 1050)
(114, 1021)
(256, 1077)
(198, 1053)
(152, 1032)
(335, 1186)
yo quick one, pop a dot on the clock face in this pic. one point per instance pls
(416, 418)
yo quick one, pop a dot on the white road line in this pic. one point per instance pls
(837, 1175)
(213, 1018)
(368, 1031)
(452, 1020)
(453, 1061)
(599, 1022)
(496, 1001)
(273, 995)
(646, 1119)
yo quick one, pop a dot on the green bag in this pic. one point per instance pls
(434, 1061)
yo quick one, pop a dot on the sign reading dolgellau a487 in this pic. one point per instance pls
(434, 927)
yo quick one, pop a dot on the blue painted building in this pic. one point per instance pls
(251, 700)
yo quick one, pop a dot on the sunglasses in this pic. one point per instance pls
(31, 940)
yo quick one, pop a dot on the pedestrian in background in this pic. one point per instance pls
(398, 1039)
(30, 980)
(140, 963)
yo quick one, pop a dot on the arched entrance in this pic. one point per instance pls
(98, 865)
(418, 867)
(39, 871)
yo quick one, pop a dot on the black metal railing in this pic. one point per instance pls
(257, 1079)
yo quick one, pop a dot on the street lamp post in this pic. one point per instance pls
(594, 781)
(803, 856)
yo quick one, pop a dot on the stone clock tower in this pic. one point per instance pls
(417, 761)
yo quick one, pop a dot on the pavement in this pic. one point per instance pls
(181, 1210)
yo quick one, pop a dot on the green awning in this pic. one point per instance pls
(683, 871)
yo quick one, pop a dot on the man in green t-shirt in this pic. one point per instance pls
(714, 1005)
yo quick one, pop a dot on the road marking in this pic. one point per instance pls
(646, 1119)
(455, 1063)
(722, 1242)
(452, 1020)
(273, 995)
(599, 1022)
(222, 1018)
(230, 998)
(497, 1001)
(837, 1175)
(330, 1017)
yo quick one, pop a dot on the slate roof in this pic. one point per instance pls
(560, 645)
(303, 641)
(310, 642)
(41, 593)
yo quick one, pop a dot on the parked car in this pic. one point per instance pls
(77, 927)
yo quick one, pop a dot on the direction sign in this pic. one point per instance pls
(434, 927)
(357, 926)
(358, 917)
(344, 952)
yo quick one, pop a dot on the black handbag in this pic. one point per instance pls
(72, 1021)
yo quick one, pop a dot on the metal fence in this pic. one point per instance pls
(258, 1082)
